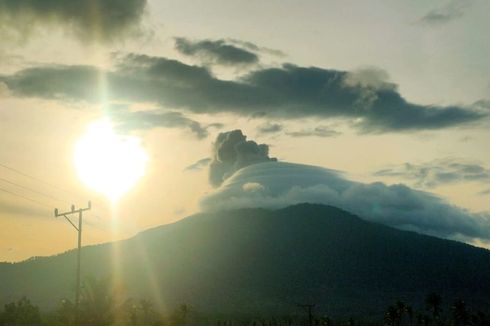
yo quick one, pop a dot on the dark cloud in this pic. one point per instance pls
(217, 125)
(269, 128)
(320, 131)
(279, 184)
(55, 82)
(101, 20)
(453, 10)
(231, 152)
(216, 51)
(439, 172)
(127, 120)
(199, 165)
(253, 47)
(286, 92)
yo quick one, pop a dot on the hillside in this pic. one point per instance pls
(256, 260)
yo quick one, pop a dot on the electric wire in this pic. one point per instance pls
(34, 191)
(25, 197)
(19, 172)
(90, 224)
(30, 176)
(38, 192)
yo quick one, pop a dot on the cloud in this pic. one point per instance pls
(438, 172)
(59, 82)
(252, 186)
(231, 152)
(127, 120)
(4, 90)
(253, 47)
(286, 92)
(484, 192)
(269, 128)
(199, 165)
(216, 51)
(94, 20)
(283, 184)
(369, 77)
(320, 131)
(451, 11)
(483, 104)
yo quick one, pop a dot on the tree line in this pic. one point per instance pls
(101, 304)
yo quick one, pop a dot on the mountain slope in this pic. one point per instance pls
(256, 260)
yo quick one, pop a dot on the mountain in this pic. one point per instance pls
(267, 261)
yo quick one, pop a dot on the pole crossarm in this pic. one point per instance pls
(57, 214)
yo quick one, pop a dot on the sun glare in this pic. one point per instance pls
(107, 162)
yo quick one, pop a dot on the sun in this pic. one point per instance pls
(107, 162)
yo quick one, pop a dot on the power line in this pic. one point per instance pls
(41, 193)
(32, 177)
(25, 197)
(33, 190)
(93, 225)
(43, 182)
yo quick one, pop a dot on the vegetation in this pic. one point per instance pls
(21, 312)
(101, 305)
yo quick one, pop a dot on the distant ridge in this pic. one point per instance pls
(266, 261)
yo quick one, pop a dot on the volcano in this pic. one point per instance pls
(253, 261)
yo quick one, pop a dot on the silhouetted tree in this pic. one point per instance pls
(422, 319)
(401, 308)
(409, 311)
(98, 302)
(433, 302)
(142, 313)
(460, 314)
(392, 316)
(20, 313)
(352, 322)
(480, 318)
(66, 313)
(179, 316)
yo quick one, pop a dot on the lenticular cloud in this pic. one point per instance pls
(280, 184)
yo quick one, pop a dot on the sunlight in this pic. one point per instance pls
(107, 162)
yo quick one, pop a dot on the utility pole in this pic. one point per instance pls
(309, 308)
(79, 230)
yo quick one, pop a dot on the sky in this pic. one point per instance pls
(391, 98)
